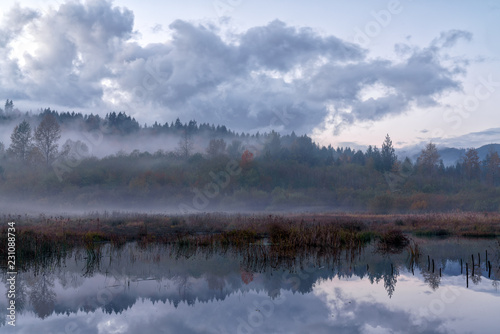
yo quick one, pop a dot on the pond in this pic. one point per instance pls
(154, 288)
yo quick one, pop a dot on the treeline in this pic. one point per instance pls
(236, 171)
(113, 123)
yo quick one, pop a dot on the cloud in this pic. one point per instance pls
(279, 47)
(273, 76)
(14, 22)
(419, 79)
(157, 28)
(473, 139)
(67, 51)
(449, 38)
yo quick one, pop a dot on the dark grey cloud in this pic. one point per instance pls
(272, 76)
(280, 47)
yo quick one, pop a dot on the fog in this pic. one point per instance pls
(14, 208)
(6, 128)
(103, 141)
(113, 164)
(101, 146)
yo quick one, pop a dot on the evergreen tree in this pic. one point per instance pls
(273, 145)
(388, 154)
(9, 106)
(178, 125)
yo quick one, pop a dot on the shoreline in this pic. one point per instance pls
(137, 226)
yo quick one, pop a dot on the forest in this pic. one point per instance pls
(70, 161)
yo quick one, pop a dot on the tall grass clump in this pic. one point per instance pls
(392, 241)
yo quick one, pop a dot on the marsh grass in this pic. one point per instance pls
(414, 250)
(135, 225)
(286, 235)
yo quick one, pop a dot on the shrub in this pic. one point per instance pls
(392, 241)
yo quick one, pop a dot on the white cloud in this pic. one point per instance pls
(84, 55)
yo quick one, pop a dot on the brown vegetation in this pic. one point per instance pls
(282, 236)
(293, 229)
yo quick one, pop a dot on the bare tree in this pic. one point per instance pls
(185, 145)
(46, 136)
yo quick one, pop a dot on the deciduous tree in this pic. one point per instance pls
(492, 164)
(21, 141)
(185, 145)
(471, 166)
(429, 159)
(246, 158)
(46, 136)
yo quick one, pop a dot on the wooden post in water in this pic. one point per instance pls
(461, 267)
(489, 269)
(472, 264)
(467, 272)
(433, 266)
(439, 272)
(428, 263)
(479, 259)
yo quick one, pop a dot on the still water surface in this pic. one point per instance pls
(159, 289)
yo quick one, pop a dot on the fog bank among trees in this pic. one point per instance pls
(72, 161)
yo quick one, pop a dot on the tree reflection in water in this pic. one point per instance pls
(42, 296)
(224, 271)
(432, 279)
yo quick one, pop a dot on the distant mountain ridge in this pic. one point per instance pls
(449, 155)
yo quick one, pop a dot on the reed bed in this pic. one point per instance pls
(134, 226)
(286, 235)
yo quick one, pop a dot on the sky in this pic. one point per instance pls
(345, 73)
